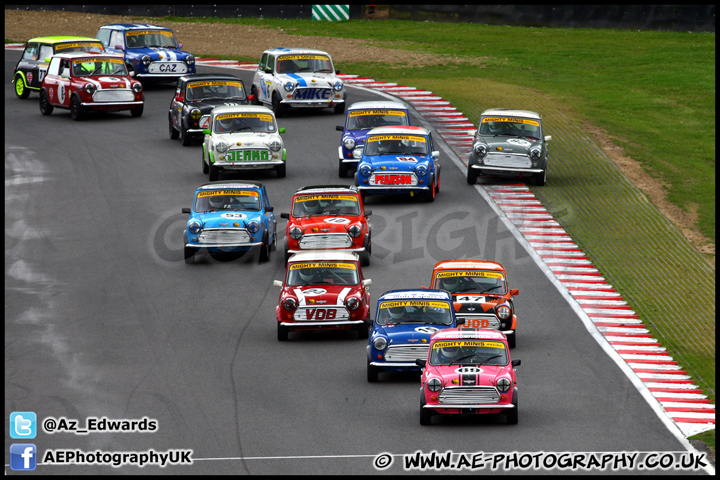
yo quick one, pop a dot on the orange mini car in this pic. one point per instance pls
(481, 288)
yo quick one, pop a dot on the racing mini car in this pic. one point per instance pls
(399, 160)
(360, 118)
(230, 217)
(481, 292)
(151, 52)
(509, 143)
(323, 290)
(468, 371)
(297, 78)
(195, 96)
(404, 322)
(241, 137)
(32, 66)
(82, 82)
(328, 217)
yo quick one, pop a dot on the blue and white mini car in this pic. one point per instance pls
(362, 117)
(230, 217)
(151, 52)
(404, 322)
(399, 160)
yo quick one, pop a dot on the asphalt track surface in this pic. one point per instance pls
(104, 319)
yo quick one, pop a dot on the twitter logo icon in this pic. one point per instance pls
(23, 425)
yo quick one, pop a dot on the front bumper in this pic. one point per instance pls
(323, 324)
(513, 170)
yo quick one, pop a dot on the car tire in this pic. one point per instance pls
(205, 168)
(137, 111)
(540, 178)
(21, 89)
(430, 193)
(186, 139)
(425, 413)
(363, 331)
(265, 249)
(256, 100)
(76, 109)
(189, 252)
(472, 175)
(277, 108)
(343, 170)
(45, 107)
(281, 171)
(372, 373)
(511, 415)
(339, 108)
(174, 134)
(512, 339)
(437, 186)
(282, 332)
(214, 173)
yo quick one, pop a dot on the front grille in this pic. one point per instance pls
(492, 320)
(224, 237)
(113, 96)
(325, 240)
(505, 160)
(469, 395)
(406, 353)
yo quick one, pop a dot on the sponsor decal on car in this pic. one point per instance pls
(467, 343)
(414, 303)
(470, 273)
(358, 113)
(307, 198)
(297, 266)
(210, 193)
(383, 138)
(510, 120)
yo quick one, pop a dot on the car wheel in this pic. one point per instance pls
(425, 413)
(282, 332)
(339, 108)
(372, 373)
(214, 173)
(472, 175)
(343, 170)
(45, 107)
(430, 193)
(186, 139)
(174, 134)
(189, 252)
(277, 108)
(540, 178)
(137, 111)
(280, 170)
(437, 186)
(511, 416)
(205, 167)
(363, 331)
(265, 249)
(21, 89)
(253, 91)
(512, 339)
(76, 110)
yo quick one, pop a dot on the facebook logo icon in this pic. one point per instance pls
(23, 425)
(23, 456)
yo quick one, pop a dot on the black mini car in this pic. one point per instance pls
(195, 96)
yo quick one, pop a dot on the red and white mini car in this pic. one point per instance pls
(328, 217)
(323, 290)
(468, 371)
(481, 288)
(83, 81)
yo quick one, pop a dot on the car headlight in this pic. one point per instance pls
(434, 384)
(190, 59)
(380, 343)
(503, 384)
(289, 86)
(289, 304)
(295, 233)
(503, 312)
(275, 145)
(352, 303)
(349, 143)
(146, 60)
(421, 170)
(253, 226)
(355, 231)
(338, 86)
(221, 147)
(535, 152)
(196, 113)
(137, 87)
(194, 227)
(480, 149)
(365, 170)
(90, 88)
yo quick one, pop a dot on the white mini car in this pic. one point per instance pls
(297, 77)
(241, 137)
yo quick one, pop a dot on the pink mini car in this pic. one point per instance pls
(468, 371)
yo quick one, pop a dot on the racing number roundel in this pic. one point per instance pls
(61, 93)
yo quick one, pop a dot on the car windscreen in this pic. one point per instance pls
(244, 122)
(414, 311)
(322, 273)
(95, 47)
(396, 145)
(205, 90)
(326, 204)
(94, 66)
(468, 352)
(299, 63)
(366, 119)
(508, 126)
(150, 39)
(471, 281)
(231, 199)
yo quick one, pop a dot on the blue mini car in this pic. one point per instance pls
(230, 217)
(399, 160)
(151, 52)
(360, 118)
(404, 322)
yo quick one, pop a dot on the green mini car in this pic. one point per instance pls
(32, 66)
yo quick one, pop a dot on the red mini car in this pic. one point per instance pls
(323, 290)
(481, 288)
(83, 81)
(468, 371)
(328, 217)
